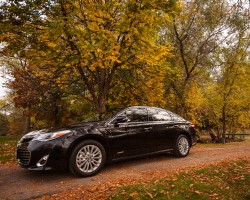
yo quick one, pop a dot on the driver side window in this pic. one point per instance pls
(137, 114)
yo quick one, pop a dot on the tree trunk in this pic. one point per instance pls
(27, 125)
(223, 125)
(57, 117)
(101, 105)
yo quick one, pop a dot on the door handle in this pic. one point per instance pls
(148, 129)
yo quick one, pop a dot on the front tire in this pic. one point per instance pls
(87, 158)
(182, 146)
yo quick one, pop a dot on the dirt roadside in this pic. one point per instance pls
(17, 183)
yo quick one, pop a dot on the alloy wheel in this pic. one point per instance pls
(89, 158)
(183, 145)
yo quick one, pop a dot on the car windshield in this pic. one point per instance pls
(106, 117)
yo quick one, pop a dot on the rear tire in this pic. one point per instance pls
(87, 158)
(182, 146)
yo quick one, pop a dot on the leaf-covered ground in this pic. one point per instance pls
(124, 179)
(226, 180)
(7, 148)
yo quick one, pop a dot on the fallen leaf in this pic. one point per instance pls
(133, 194)
(197, 192)
(150, 195)
(214, 195)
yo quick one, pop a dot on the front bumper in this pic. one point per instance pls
(30, 154)
(43, 168)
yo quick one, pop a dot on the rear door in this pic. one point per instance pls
(164, 128)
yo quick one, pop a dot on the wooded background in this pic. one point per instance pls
(68, 60)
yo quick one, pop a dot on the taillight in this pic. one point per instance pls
(192, 125)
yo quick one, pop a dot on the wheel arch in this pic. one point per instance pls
(186, 134)
(176, 149)
(87, 137)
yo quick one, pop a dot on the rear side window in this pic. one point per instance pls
(155, 114)
(176, 117)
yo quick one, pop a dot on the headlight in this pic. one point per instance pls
(51, 136)
(31, 135)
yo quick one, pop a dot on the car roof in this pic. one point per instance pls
(145, 107)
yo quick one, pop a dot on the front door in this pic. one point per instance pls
(118, 140)
(141, 138)
(132, 137)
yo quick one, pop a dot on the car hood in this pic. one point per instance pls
(86, 125)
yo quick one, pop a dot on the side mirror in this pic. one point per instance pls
(120, 119)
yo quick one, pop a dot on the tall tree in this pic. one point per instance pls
(202, 33)
(197, 33)
(4, 123)
(229, 93)
(94, 38)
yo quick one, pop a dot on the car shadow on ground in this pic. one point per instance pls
(109, 170)
(49, 175)
(135, 162)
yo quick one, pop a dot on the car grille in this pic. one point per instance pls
(23, 156)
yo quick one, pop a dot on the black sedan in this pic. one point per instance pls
(85, 148)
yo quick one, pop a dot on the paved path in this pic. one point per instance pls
(18, 183)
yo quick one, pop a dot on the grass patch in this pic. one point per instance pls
(228, 143)
(228, 180)
(205, 139)
(7, 148)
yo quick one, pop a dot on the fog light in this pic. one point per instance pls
(42, 161)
